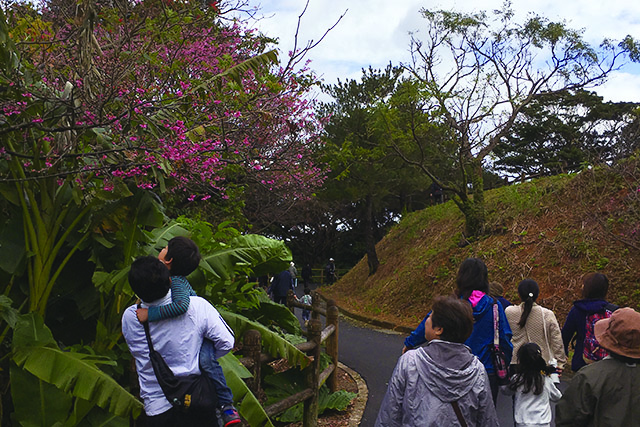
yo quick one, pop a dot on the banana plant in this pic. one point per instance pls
(67, 384)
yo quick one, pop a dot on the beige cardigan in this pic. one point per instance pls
(533, 332)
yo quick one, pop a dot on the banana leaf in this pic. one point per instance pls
(248, 405)
(276, 345)
(35, 350)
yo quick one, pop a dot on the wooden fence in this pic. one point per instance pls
(316, 336)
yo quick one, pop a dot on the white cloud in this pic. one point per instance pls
(375, 32)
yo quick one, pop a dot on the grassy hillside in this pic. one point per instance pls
(552, 230)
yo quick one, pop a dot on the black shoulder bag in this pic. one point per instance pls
(191, 392)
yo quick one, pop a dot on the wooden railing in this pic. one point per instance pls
(316, 336)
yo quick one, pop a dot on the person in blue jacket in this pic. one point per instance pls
(594, 292)
(473, 285)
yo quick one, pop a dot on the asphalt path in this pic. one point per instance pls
(373, 353)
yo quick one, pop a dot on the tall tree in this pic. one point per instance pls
(559, 132)
(479, 71)
(367, 176)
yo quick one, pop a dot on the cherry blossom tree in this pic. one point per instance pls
(101, 97)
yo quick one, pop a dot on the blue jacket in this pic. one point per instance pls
(482, 336)
(574, 327)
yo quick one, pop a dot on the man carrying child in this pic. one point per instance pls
(181, 257)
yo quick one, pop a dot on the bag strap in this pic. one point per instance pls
(544, 328)
(496, 334)
(458, 412)
(146, 332)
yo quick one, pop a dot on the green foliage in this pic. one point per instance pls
(249, 406)
(77, 374)
(272, 342)
(279, 386)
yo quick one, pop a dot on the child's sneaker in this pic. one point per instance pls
(229, 415)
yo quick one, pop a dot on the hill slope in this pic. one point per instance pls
(552, 230)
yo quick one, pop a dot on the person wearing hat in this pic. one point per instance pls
(607, 392)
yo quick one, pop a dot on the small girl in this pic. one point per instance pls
(533, 388)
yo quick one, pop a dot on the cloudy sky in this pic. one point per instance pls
(376, 32)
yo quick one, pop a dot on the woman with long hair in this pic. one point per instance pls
(472, 285)
(531, 322)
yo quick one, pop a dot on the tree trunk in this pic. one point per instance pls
(475, 213)
(472, 206)
(370, 241)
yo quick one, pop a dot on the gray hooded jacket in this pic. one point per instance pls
(426, 381)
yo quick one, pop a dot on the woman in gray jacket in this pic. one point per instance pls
(443, 382)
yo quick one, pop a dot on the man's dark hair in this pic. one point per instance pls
(454, 316)
(596, 286)
(472, 276)
(184, 256)
(149, 278)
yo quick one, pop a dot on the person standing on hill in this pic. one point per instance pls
(607, 392)
(442, 383)
(531, 323)
(472, 286)
(594, 292)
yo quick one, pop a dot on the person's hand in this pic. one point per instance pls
(143, 314)
(559, 371)
(404, 349)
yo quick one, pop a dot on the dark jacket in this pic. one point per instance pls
(281, 284)
(482, 335)
(602, 394)
(574, 327)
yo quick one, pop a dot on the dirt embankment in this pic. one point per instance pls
(552, 230)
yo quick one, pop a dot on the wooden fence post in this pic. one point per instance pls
(253, 347)
(333, 315)
(310, 415)
(315, 305)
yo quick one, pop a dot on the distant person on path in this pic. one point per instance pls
(531, 323)
(293, 271)
(178, 339)
(435, 192)
(592, 307)
(306, 275)
(442, 382)
(496, 290)
(330, 271)
(607, 393)
(280, 285)
(181, 257)
(533, 388)
(306, 299)
(473, 285)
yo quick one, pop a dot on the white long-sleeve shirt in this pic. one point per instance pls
(178, 340)
(531, 409)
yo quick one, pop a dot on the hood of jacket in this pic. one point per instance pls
(480, 304)
(590, 306)
(449, 369)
